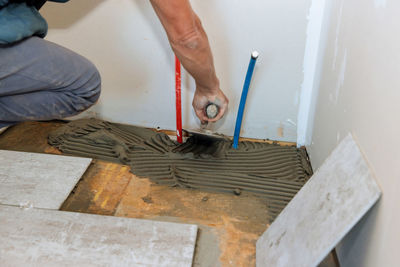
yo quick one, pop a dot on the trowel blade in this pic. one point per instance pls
(204, 133)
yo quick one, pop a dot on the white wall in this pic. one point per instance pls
(318, 22)
(128, 45)
(360, 93)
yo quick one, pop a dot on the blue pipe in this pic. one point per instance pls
(243, 98)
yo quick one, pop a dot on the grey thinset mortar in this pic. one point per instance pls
(273, 172)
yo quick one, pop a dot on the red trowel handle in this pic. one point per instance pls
(178, 102)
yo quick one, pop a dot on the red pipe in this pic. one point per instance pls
(178, 100)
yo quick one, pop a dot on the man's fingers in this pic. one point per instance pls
(200, 103)
(222, 110)
(221, 113)
(201, 115)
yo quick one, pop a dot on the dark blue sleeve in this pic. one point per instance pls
(5, 2)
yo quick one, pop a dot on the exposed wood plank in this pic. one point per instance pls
(100, 190)
(40, 180)
(36, 237)
(29, 136)
(322, 212)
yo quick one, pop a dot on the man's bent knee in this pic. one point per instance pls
(88, 93)
(94, 87)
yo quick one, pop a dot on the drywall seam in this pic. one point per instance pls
(337, 35)
(315, 45)
(340, 80)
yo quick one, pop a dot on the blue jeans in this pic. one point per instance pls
(40, 80)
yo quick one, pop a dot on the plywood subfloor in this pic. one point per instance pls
(229, 225)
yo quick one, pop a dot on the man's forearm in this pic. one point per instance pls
(189, 41)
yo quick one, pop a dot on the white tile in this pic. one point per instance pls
(322, 212)
(36, 237)
(41, 180)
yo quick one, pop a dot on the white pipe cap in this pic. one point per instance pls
(255, 54)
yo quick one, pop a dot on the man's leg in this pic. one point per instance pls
(40, 80)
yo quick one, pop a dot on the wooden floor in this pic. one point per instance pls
(229, 225)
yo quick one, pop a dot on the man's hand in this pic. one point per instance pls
(190, 44)
(203, 97)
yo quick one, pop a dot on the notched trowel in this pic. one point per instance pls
(203, 133)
